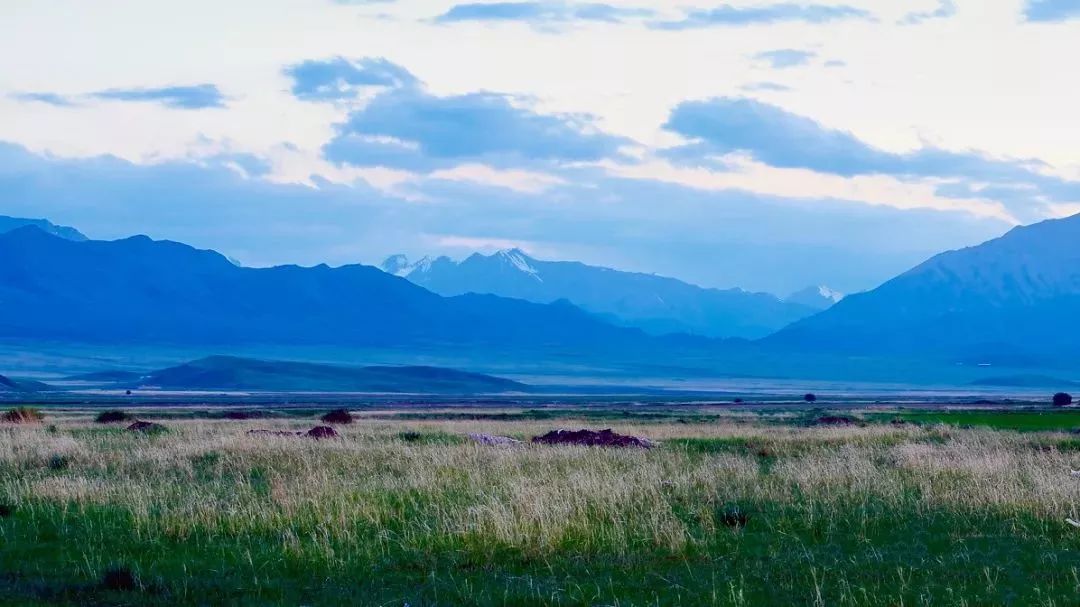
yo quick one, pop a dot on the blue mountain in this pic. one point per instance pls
(1015, 297)
(142, 291)
(652, 303)
(8, 224)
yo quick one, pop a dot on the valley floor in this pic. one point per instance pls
(780, 507)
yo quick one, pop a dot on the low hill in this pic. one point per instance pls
(8, 384)
(232, 373)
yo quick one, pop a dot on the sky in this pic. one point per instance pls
(762, 145)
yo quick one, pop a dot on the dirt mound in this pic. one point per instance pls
(146, 427)
(491, 439)
(338, 416)
(835, 420)
(22, 415)
(592, 438)
(319, 432)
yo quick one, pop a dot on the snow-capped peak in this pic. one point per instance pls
(423, 265)
(520, 261)
(827, 293)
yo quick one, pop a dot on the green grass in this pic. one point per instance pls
(1028, 421)
(395, 514)
(784, 556)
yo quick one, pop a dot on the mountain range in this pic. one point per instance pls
(1012, 297)
(652, 303)
(1012, 301)
(142, 291)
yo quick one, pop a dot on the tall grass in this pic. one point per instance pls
(877, 515)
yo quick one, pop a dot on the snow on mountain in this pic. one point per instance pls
(653, 303)
(818, 297)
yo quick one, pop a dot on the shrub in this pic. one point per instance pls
(112, 416)
(6, 510)
(23, 415)
(810, 397)
(1062, 399)
(338, 416)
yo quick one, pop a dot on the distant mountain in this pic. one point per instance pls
(12, 385)
(655, 304)
(231, 373)
(817, 298)
(1015, 296)
(141, 291)
(8, 224)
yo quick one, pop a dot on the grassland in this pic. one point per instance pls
(730, 509)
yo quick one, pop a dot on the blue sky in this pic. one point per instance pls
(767, 145)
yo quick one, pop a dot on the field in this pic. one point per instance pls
(732, 508)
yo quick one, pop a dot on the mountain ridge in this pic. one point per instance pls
(655, 304)
(7, 224)
(138, 290)
(1013, 294)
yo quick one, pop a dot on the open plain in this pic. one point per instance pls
(729, 507)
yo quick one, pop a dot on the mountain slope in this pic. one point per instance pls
(141, 291)
(1019, 292)
(231, 373)
(11, 385)
(8, 224)
(653, 303)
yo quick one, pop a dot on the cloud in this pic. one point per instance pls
(778, 138)
(728, 15)
(339, 78)
(944, 10)
(1051, 10)
(409, 128)
(721, 238)
(48, 98)
(768, 87)
(194, 97)
(786, 57)
(540, 13)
